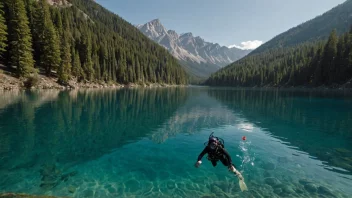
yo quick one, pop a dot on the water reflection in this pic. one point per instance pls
(319, 123)
(51, 127)
(200, 112)
(99, 142)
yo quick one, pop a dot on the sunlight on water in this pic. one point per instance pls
(144, 143)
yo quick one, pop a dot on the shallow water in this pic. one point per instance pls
(144, 142)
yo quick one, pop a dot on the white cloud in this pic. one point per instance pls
(245, 45)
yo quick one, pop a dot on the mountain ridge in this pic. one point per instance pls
(200, 57)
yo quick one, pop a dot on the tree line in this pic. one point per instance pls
(83, 40)
(308, 64)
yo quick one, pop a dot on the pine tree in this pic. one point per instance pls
(50, 48)
(3, 32)
(86, 56)
(30, 9)
(96, 64)
(122, 69)
(330, 53)
(58, 22)
(65, 67)
(103, 55)
(66, 57)
(338, 77)
(36, 29)
(20, 45)
(77, 68)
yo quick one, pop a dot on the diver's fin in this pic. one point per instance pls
(243, 185)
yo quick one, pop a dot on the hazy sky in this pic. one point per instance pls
(227, 22)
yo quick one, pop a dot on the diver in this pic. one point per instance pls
(216, 151)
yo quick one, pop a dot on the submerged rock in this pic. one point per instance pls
(288, 190)
(216, 190)
(304, 181)
(310, 187)
(180, 193)
(190, 186)
(227, 187)
(181, 185)
(278, 191)
(52, 176)
(267, 174)
(88, 193)
(100, 193)
(325, 191)
(71, 189)
(171, 185)
(48, 185)
(48, 169)
(272, 181)
(66, 176)
(255, 193)
(299, 190)
(112, 190)
(49, 178)
(279, 186)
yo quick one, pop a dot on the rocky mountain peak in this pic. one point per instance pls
(202, 58)
(188, 34)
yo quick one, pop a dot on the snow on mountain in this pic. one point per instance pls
(202, 58)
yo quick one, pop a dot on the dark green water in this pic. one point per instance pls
(144, 142)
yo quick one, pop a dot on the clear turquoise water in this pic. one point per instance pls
(144, 142)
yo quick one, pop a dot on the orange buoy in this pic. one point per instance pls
(244, 138)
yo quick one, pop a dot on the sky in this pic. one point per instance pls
(242, 23)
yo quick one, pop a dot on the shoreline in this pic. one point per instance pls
(336, 87)
(9, 82)
(320, 88)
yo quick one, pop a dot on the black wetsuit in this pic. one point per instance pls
(215, 155)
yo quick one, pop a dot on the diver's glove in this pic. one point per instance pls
(198, 164)
(237, 173)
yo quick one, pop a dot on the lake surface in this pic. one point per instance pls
(144, 142)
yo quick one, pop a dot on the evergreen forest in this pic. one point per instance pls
(80, 39)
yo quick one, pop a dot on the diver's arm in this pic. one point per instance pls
(228, 157)
(205, 150)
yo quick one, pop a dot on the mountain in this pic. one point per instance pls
(199, 57)
(319, 28)
(79, 39)
(315, 53)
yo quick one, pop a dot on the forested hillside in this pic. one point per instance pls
(80, 39)
(309, 64)
(319, 28)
